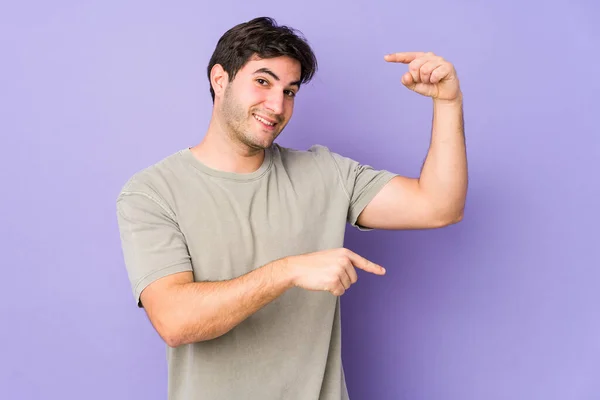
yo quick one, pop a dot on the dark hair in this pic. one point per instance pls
(264, 38)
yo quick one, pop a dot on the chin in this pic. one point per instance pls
(264, 145)
(258, 144)
(262, 141)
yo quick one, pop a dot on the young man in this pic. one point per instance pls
(234, 246)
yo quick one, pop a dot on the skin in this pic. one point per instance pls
(183, 311)
(235, 140)
(437, 197)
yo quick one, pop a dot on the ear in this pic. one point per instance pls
(218, 79)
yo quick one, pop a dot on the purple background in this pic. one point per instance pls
(502, 306)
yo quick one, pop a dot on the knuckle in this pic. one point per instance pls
(342, 262)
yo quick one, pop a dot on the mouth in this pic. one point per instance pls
(266, 122)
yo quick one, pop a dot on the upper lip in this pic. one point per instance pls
(265, 118)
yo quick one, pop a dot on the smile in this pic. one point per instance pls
(264, 121)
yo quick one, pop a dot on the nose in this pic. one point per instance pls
(274, 102)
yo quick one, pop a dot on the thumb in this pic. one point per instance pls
(407, 80)
(424, 89)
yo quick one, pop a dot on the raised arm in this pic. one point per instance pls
(437, 198)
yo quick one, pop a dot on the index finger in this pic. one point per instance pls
(364, 264)
(404, 57)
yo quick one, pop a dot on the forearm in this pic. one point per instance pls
(206, 310)
(444, 174)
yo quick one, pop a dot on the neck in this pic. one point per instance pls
(219, 150)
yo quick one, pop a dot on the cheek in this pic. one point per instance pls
(289, 109)
(248, 98)
(255, 95)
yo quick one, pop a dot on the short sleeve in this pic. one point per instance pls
(362, 183)
(152, 243)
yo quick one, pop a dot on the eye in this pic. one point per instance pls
(290, 93)
(262, 81)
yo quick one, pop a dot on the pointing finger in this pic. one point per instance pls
(404, 58)
(364, 264)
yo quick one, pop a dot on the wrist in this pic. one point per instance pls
(284, 271)
(455, 102)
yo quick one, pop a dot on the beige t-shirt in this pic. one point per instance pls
(180, 215)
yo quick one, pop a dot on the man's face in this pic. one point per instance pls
(259, 102)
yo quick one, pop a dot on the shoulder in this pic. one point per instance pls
(316, 153)
(317, 157)
(154, 181)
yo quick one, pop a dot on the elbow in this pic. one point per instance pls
(171, 333)
(177, 337)
(171, 330)
(455, 218)
(173, 340)
(175, 333)
(448, 219)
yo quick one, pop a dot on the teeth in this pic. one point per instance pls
(264, 121)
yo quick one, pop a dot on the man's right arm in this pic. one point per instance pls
(183, 311)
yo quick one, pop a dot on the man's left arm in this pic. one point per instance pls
(437, 197)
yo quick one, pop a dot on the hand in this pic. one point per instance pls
(429, 75)
(330, 270)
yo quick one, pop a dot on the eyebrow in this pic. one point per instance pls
(269, 72)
